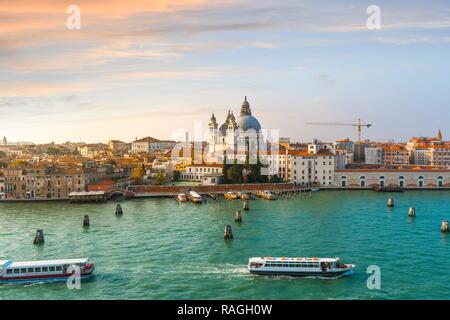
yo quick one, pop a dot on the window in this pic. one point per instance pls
(44, 269)
(30, 270)
(16, 270)
(420, 182)
(381, 181)
(9, 271)
(37, 270)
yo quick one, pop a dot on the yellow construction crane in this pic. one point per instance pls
(358, 125)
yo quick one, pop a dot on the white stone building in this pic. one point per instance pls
(413, 177)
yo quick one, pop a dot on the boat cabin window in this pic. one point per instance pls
(9, 271)
(30, 270)
(51, 268)
(37, 269)
(23, 270)
(58, 268)
(44, 269)
(16, 270)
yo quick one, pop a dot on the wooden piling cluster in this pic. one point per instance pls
(39, 238)
(86, 222)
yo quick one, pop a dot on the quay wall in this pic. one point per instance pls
(152, 190)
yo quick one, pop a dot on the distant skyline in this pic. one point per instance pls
(145, 68)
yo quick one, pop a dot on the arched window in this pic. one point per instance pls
(343, 181)
(381, 180)
(440, 181)
(420, 182)
(362, 181)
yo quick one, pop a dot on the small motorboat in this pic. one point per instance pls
(41, 271)
(269, 195)
(230, 195)
(299, 267)
(182, 198)
(195, 197)
(244, 196)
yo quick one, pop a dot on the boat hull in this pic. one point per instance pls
(329, 274)
(42, 278)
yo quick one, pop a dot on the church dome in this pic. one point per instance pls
(248, 122)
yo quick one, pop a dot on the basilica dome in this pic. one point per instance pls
(246, 121)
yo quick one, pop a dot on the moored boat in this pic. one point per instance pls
(46, 270)
(244, 196)
(230, 195)
(195, 197)
(182, 198)
(299, 267)
(269, 195)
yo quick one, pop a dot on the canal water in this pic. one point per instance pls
(160, 249)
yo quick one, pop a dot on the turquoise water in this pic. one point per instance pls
(162, 250)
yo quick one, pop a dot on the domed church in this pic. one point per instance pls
(233, 131)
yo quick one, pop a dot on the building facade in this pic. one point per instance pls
(411, 177)
(39, 182)
(196, 172)
(149, 144)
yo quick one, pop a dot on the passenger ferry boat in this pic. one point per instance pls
(299, 267)
(38, 271)
(195, 197)
(182, 198)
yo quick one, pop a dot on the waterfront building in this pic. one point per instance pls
(149, 144)
(197, 172)
(48, 182)
(406, 176)
(312, 169)
(313, 166)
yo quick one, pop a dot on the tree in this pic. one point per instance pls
(53, 151)
(17, 164)
(160, 178)
(234, 174)
(138, 174)
(2, 154)
(176, 175)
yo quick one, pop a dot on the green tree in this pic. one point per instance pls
(2, 154)
(160, 178)
(52, 151)
(234, 174)
(176, 175)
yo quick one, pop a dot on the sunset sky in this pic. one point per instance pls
(145, 68)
